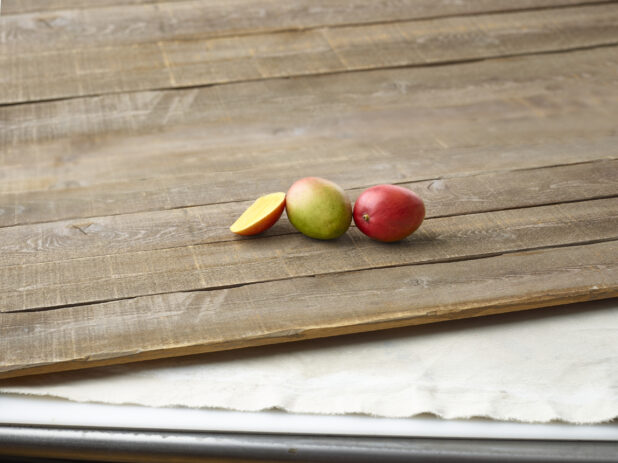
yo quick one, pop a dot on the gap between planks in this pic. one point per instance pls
(181, 87)
(354, 191)
(287, 229)
(363, 56)
(444, 197)
(335, 273)
(439, 240)
(398, 14)
(66, 203)
(139, 329)
(21, 7)
(499, 92)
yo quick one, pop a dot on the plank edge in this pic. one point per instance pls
(476, 309)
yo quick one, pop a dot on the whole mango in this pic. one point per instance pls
(318, 208)
(388, 212)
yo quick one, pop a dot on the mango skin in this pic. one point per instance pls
(318, 208)
(388, 213)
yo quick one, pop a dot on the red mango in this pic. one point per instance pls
(388, 212)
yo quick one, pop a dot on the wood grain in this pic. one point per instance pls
(161, 63)
(112, 22)
(74, 159)
(71, 239)
(301, 308)
(344, 106)
(381, 10)
(170, 193)
(115, 199)
(27, 6)
(229, 263)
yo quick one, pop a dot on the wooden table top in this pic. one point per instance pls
(134, 132)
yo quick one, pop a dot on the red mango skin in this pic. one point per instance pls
(388, 212)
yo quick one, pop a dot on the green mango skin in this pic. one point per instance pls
(318, 208)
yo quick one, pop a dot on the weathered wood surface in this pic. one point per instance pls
(106, 22)
(115, 202)
(199, 225)
(74, 159)
(382, 10)
(302, 308)
(541, 95)
(27, 6)
(71, 70)
(228, 263)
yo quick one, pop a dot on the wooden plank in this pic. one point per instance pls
(113, 68)
(139, 20)
(10, 7)
(229, 263)
(538, 87)
(301, 308)
(180, 158)
(223, 187)
(75, 159)
(130, 23)
(48, 242)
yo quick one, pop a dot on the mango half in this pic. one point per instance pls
(260, 216)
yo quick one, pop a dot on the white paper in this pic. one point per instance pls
(557, 363)
(48, 411)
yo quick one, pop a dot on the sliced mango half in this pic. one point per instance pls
(261, 215)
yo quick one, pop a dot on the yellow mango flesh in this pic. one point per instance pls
(261, 215)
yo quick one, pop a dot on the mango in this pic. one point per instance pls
(318, 208)
(261, 215)
(388, 212)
